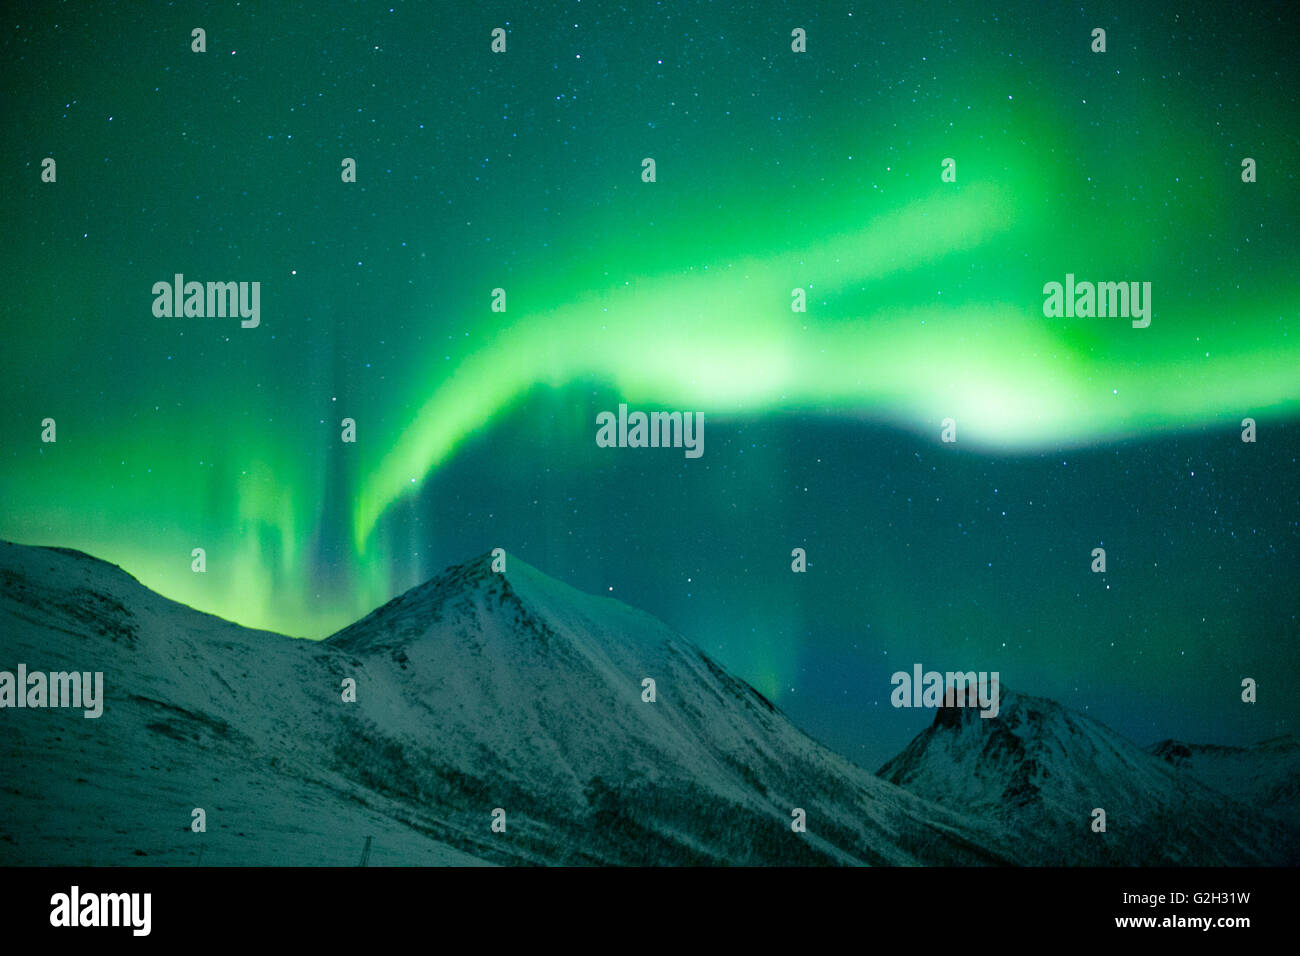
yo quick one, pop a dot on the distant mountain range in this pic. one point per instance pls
(1040, 771)
(1265, 776)
(479, 690)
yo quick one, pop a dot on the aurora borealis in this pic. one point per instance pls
(775, 171)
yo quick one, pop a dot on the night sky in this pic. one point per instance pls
(775, 170)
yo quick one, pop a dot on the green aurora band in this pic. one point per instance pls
(725, 341)
(924, 302)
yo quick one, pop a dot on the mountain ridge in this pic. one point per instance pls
(1044, 770)
(474, 693)
(479, 690)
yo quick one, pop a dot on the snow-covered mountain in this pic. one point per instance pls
(1265, 775)
(475, 691)
(478, 691)
(199, 713)
(1040, 770)
(517, 691)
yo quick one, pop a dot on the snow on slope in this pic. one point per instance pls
(1265, 775)
(536, 688)
(199, 712)
(475, 691)
(478, 690)
(1041, 769)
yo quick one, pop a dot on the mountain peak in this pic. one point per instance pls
(472, 574)
(460, 585)
(959, 708)
(1042, 769)
(528, 604)
(610, 737)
